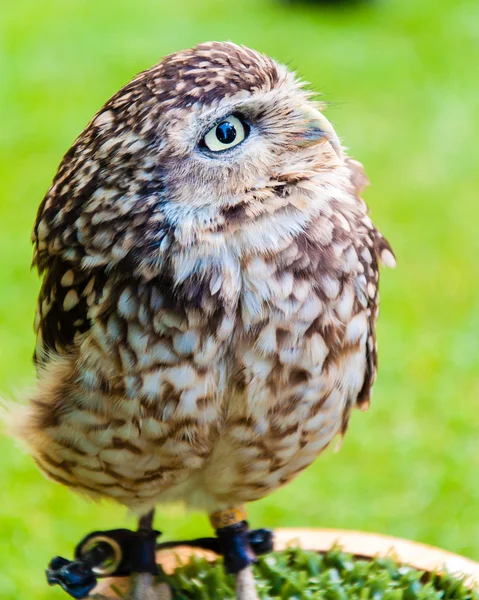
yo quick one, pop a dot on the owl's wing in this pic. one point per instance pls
(376, 250)
(370, 303)
(63, 304)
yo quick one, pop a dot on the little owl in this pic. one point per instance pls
(207, 317)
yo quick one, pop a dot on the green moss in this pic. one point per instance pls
(300, 574)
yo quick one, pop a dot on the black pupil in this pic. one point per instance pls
(226, 133)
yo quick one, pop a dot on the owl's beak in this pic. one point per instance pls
(317, 129)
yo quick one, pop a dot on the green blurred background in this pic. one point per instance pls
(402, 81)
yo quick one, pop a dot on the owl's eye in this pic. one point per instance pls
(227, 134)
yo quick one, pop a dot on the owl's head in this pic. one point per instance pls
(211, 140)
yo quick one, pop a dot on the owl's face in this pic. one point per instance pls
(249, 129)
(211, 140)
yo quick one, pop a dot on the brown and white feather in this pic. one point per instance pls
(205, 327)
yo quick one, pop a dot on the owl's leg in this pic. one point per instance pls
(144, 586)
(232, 531)
(246, 585)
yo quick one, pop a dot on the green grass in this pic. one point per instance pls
(401, 77)
(296, 574)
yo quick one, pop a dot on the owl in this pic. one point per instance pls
(206, 322)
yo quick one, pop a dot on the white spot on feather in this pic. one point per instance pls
(114, 327)
(388, 259)
(266, 342)
(344, 307)
(316, 352)
(67, 279)
(104, 119)
(357, 328)
(283, 286)
(216, 283)
(311, 309)
(182, 377)
(42, 231)
(330, 286)
(152, 382)
(366, 255)
(302, 289)
(137, 339)
(127, 304)
(89, 287)
(185, 343)
(71, 300)
(208, 350)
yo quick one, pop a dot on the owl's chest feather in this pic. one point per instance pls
(241, 378)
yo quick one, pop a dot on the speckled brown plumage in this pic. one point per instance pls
(206, 322)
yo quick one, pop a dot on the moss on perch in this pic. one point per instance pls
(302, 574)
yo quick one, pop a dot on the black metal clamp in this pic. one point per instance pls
(121, 552)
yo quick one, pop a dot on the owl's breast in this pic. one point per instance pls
(299, 364)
